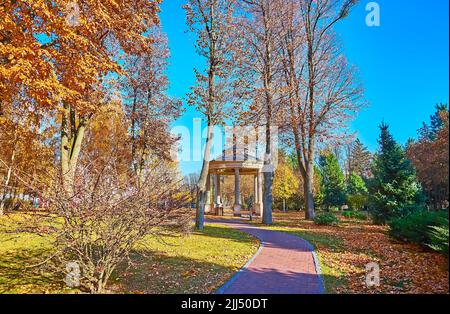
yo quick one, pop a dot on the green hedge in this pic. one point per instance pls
(429, 229)
(326, 219)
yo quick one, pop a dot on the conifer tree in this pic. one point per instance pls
(359, 160)
(333, 181)
(394, 188)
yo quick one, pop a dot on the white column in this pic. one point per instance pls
(255, 194)
(208, 195)
(215, 182)
(219, 192)
(259, 202)
(237, 192)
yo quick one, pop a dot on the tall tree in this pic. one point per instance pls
(321, 91)
(147, 105)
(394, 187)
(359, 159)
(211, 21)
(333, 181)
(257, 55)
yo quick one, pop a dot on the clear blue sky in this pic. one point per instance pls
(403, 64)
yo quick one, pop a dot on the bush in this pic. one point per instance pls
(355, 215)
(357, 201)
(400, 212)
(418, 228)
(439, 239)
(326, 219)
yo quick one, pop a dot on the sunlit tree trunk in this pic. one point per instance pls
(72, 135)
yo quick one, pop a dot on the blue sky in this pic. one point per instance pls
(403, 64)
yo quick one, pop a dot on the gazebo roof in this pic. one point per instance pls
(231, 159)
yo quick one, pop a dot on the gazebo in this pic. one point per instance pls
(237, 165)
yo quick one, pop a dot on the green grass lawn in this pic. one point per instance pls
(197, 263)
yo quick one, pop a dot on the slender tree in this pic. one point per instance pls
(321, 90)
(148, 106)
(211, 21)
(257, 53)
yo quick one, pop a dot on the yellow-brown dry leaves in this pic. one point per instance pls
(404, 268)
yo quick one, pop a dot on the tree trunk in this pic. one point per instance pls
(201, 195)
(309, 192)
(71, 141)
(268, 175)
(8, 176)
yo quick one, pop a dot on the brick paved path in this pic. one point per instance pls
(284, 264)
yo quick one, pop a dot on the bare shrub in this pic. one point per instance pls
(94, 226)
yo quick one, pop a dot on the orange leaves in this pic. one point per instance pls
(37, 44)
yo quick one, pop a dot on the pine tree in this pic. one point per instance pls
(394, 189)
(359, 160)
(333, 181)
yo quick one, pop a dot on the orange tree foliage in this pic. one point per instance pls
(25, 147)
(56, 60)
(59, 53)
(430, 157)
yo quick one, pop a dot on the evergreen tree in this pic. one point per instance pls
(356, 184)
(394, 188)
(431, 131)
(319, 190)
(333, 181)
(356, 192)
(359, 160)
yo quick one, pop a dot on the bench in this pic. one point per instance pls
(250, 213)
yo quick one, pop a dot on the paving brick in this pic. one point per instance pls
(285, 265)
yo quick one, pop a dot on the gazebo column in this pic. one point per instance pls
(208, 195)
(255, 194)
(259, 197)
(217, 192)
(237, 193)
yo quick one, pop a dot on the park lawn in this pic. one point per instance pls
(196, 263)
(344, 250)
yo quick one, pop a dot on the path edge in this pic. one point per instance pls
(230, 281)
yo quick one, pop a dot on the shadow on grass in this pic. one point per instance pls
(156, 273)
(16, 277)
(201, 266)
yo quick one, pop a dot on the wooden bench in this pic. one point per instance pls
(250, 213)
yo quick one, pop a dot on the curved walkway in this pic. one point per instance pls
(284, 264)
